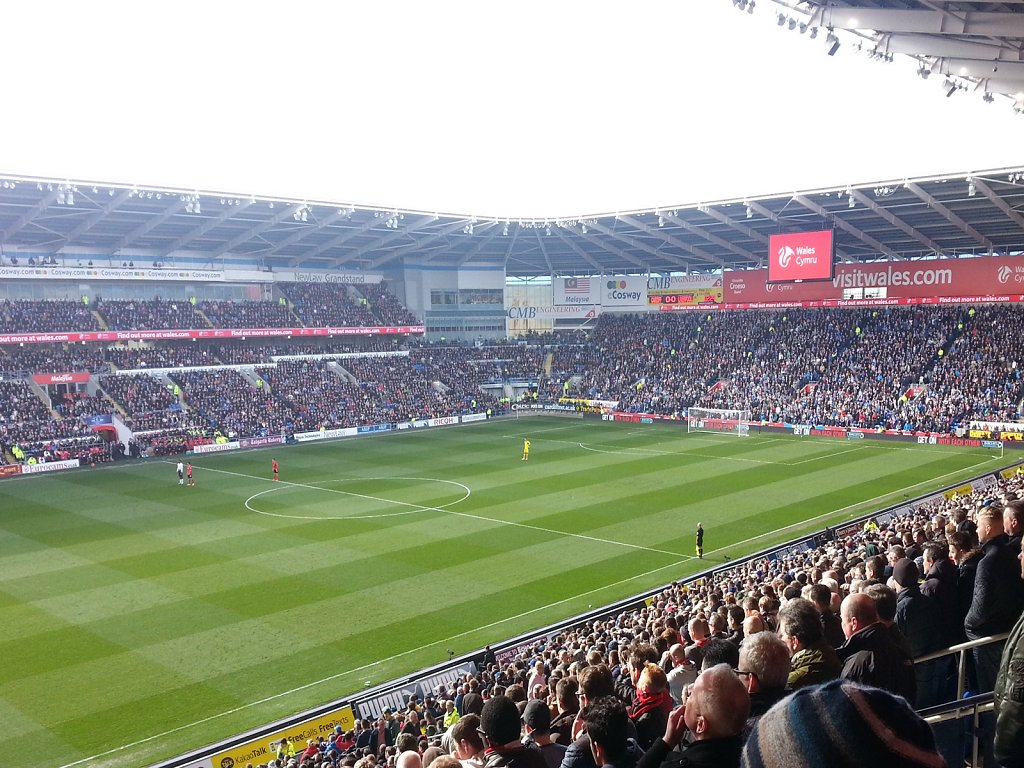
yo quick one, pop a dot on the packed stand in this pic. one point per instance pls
(247, 314)
(138, 393)
(231, 405)
(153, 315)
(980, 377)
(50, 316)
(51, 358)
(328, 305)
(384, 305)
(844, 367)
(31, 433)
(316, 396)
(398, 388)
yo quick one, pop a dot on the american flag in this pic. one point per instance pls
(577, 285)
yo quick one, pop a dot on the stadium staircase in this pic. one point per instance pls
(250, 375)
(548, 360)
(99, 319)
(39, 392)
(337, 369)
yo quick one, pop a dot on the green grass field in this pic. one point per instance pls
(141, 619)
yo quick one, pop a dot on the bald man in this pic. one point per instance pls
(869, 655)
(715, 712)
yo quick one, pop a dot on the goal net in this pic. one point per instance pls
(730, 421)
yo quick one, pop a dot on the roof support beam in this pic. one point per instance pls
(711, 237)
(391, 236)
(753, 234)
(939, 47)
(674, 242)
(581, 253)
(443, 232)
(302, 232)
(91, 221)
(951, 217)
(937, 22)
(895, 220)
(846, 226)
(999, 203)
(198, 232)
(646, 248)
(149, 226)
(26, 219)
(610, 248)
(249, 234)
(337, 240)
(543, 250)
(478, 248)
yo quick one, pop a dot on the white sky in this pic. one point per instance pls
(531, 108)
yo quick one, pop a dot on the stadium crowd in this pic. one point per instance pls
(911, 368)
(49, 316)
(247, 314)
(328, 305)
(384, 306)
(154, 315)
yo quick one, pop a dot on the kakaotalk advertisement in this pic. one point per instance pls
(983, 276)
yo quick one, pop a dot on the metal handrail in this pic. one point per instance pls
(961, 650)
(973, 707)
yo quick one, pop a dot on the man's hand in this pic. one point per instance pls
(676, 727)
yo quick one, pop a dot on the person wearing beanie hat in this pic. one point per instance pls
(500, 727)
(843, 725)
(919, 620)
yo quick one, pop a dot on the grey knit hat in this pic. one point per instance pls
(841, 725)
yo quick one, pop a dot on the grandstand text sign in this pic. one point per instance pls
(325, 276)
(135, 274)
(205, 333)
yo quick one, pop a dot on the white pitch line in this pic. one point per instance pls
(826, 456)
(365, 667)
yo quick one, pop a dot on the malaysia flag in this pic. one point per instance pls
(577, 285)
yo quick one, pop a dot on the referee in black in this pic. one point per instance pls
(700, 540)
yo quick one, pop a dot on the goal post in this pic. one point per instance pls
(729, 421)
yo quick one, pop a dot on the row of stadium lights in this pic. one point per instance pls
(950, 85)
(544, 224)
(193, 205)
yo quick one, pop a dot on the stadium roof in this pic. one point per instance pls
(965, 44)
(942, 216)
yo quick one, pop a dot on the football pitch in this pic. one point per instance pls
(141, 619)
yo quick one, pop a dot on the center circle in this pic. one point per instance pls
(368, 492)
